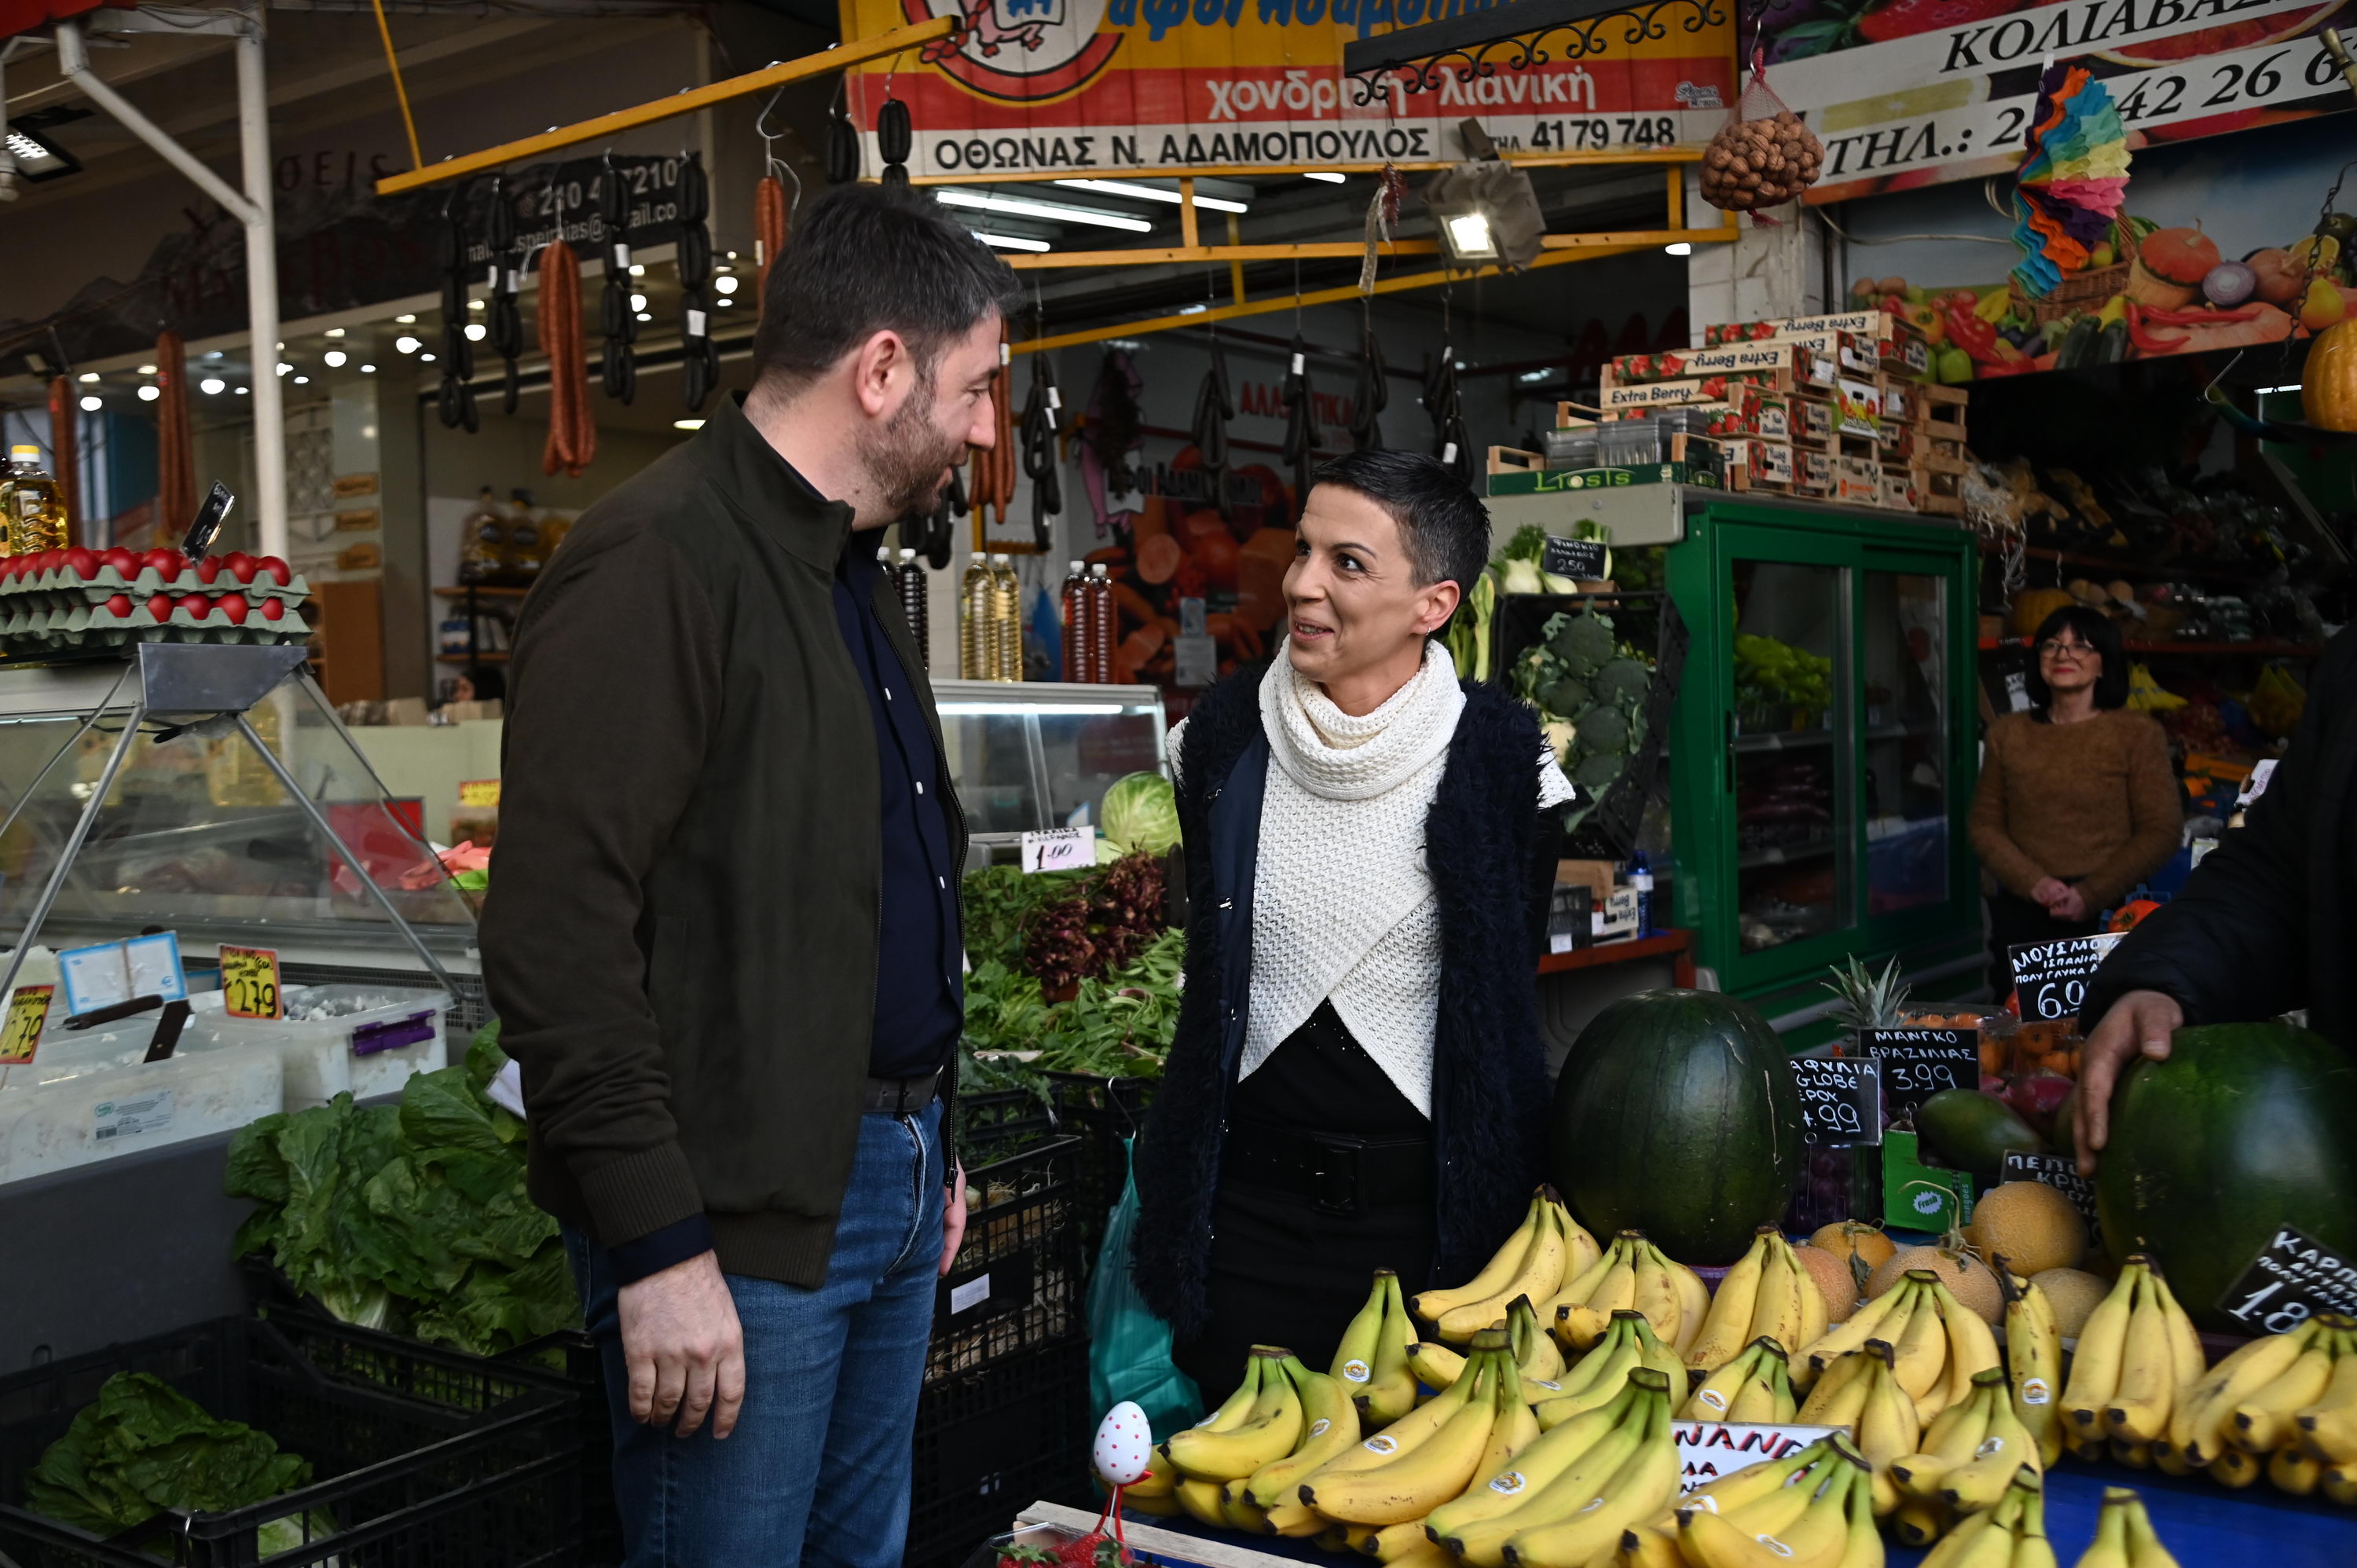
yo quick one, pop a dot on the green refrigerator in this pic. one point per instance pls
(1824, 749)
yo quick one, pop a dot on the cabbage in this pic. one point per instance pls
(1141, 812)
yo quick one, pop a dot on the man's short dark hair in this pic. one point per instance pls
(1443, 526)
(874, 258)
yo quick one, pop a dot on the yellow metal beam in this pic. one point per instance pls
(1394, 285)
(1339, 250)
(842, 57)
(1678, 153)
(1187, 234)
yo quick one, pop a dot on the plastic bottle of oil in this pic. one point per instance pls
(977, 642)
(1075, 606)
(1006, 619)
(525, 551)
(915, 595)
(32, 505)
(483, 540)
(1105, 625)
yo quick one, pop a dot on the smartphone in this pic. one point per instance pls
(209, 517)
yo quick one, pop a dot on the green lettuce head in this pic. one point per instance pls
(1141, 812)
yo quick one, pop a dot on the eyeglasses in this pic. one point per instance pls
(2052, 646)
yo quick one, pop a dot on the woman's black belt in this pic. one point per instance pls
(1334, 1173)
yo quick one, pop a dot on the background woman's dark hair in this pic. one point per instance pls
(1444, 527)
(870, 258)
(2097, 630)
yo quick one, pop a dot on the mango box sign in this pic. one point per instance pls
(1073, 89)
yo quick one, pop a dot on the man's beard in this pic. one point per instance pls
(908, 459)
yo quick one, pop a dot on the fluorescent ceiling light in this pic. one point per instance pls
(637, 269)
(283, 368)
(405, 320)
(92, 404)
(1528, 376)
(638, 301)
(333, 358)
(1679, 248)
(1056, 708)
(146, 369)
(424, 359)
(213, 386)
(335, 332)
(477, 331)
(1056, 212)
(39, 159)
(724, 284)
(241, 392)
(644, 317)
(368, 370)
(2294, 387)
(1154, 193)
(90, 375)
(150, 394)
(1011, 241)
(1193, 309)
(687, 425)
(407, 344)
(1328, 175)
(302, 381)
(1466, 238)
(474, 305)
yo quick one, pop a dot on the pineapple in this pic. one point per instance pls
(1869, 1001)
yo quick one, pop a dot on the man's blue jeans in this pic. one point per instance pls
(817, 1470)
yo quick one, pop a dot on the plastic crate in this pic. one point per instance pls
(1104, 1111)
(381, 1035)
(420, 1456)
(1017, 1279)
(991, 1442)
(1001, 1120)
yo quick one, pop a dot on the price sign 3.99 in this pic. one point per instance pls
(1918, 1063)
(250, 982)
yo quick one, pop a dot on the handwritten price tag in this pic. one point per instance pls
(250, 982)
(1841, 1100)
(478, 792)
(2051, 978)
(1918, 1063)
(2291, 1280)
(1582, 559)
(1709, 1449)
(28, 1010)
(1059, 848)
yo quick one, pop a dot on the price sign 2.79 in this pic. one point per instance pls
(250, 982)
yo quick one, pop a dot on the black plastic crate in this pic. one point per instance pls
(1104, 1111)
(1003, 1120)
(991, 1442)
(421, 1457)
(1018, 1281)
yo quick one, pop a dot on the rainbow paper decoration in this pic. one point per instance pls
(2070, 190)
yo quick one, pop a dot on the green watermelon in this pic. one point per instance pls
(2245, 1129)
(1677, 1114)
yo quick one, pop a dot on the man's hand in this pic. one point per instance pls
(2070, 906)
(684, 1346)
(2140, 1021)
(2047, 889)
(953, 1219)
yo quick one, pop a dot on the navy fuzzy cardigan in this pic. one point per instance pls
(1489, 1089)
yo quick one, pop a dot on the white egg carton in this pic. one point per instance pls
(81, 1099)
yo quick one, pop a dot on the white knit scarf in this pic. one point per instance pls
(1345, 757)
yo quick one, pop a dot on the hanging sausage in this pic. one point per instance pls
(895, 138)
(1373, 390)
(506, 319)
(1300, 428)
(1450, 444)
(1039, 463)
(65, 460)
(699, 362)
(1213, 408)
(768, 235)
(457, 399)
(572, 432)
(176, 469)
(618, 370)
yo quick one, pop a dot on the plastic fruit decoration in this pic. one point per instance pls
(2328, 386)
(2169, 267)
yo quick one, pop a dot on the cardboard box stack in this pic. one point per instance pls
(1828, 407)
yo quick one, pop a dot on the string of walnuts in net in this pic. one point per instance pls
(1759, 162)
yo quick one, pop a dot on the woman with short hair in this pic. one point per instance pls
(2077, 801)
(1358, 1080)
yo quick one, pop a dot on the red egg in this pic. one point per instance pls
(165, 563)
(12, 567)
(119, 605)
(122, 561)
(271, 609)
(83, 561)
(196, 605)
(209, 568)
(276, 568)
(233, 606)
(241, 565)
(160, 606)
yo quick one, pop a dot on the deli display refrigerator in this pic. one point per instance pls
(1028, 755)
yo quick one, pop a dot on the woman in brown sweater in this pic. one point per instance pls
(2077, 802)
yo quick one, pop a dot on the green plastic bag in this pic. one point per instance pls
(1129, 1347)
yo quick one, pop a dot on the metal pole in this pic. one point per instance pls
(73, 845)
(62, 752)
(73, 59)
(360, 869)
(262, 289)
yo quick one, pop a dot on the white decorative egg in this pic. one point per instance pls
(1124, 1445)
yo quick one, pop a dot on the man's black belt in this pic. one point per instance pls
(1335, 1174)
(899, 1096)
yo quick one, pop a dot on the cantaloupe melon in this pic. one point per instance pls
(2073, 1294)
(1845, 1236)
(1962, 1273)
(2029, 1224)
(1834, 1281)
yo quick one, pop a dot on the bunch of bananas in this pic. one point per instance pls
(1938, 1343)
(1813, 1508)
(2137, 1355)
(1538, 1364)
(1756, 1386)
(1861, 1390)
(1548, 1248)
(1594, 1380)
(2123, 1536)
(2286, 1403)
(2011, 1533)
(1566, 1498)
(2033, 1360)
(1370, 1362)
(1971, 1453)
(1630, 1274)
(1767, 1292)
(1280, 1413)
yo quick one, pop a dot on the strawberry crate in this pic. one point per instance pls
(1019, 1279)
(990, 1442)
(420, 1455)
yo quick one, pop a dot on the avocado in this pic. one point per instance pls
(1973, 1131)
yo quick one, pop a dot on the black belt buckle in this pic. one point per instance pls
(1334, 1176)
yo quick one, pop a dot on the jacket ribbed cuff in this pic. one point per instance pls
(639, 1193)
